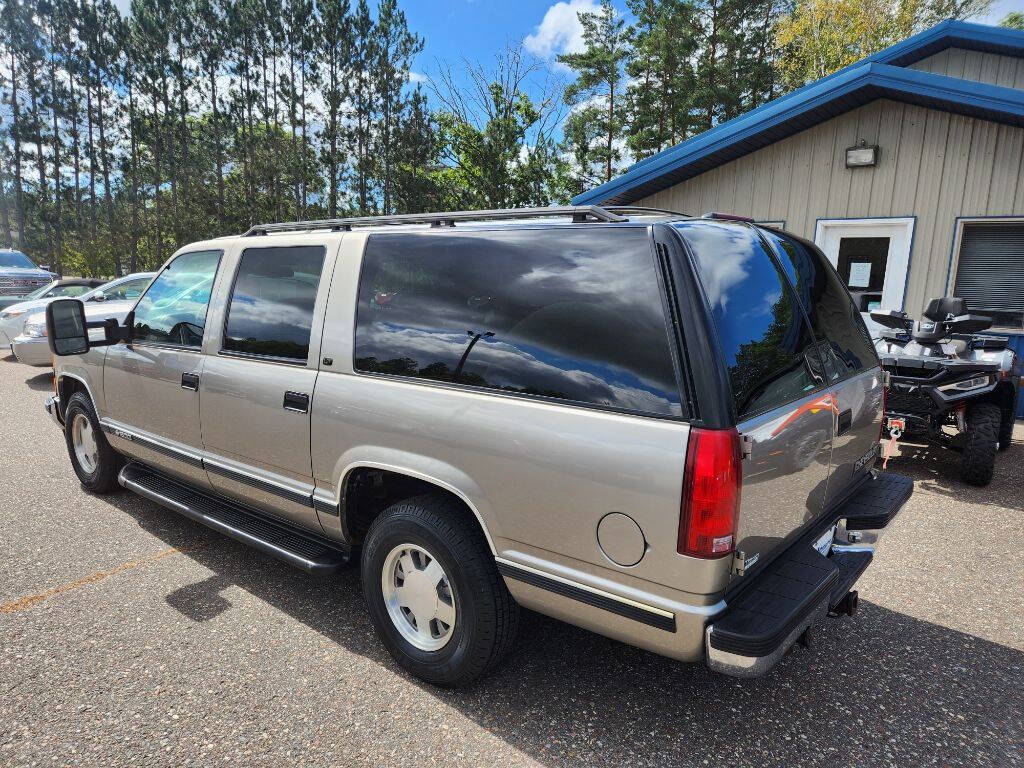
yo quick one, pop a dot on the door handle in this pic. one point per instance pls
(190, 381)
(845, 421)
(296, 401)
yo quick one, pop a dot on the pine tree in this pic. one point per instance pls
(598, 79)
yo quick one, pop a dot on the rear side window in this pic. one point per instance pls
(843, 338)
(271, 309)
(575, 315)
(767, 346)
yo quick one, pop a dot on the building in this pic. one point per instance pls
(905, 168)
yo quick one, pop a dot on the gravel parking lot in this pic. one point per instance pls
(131, 635)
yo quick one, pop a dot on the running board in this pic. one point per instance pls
(313, 554)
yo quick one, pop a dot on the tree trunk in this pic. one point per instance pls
(58, 219)
(134, 193)
(44, 187)
(611, 131)
(218, 160)
(19, 194)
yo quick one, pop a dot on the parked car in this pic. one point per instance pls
(31, 346)
(71, 286)
(19, 275)
(129, 287)
(550, 408)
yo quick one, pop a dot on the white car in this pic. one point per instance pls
(31, 348)
(129, 287)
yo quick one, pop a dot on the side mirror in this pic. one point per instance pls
(66, 329)
(98, 297)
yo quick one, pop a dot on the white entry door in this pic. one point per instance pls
(872, 257)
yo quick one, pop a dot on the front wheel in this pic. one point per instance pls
(92, 458)
(434, 592)
(980, 443)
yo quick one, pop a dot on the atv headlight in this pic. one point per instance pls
(967, 385)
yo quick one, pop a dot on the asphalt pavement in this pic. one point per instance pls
(133, 636)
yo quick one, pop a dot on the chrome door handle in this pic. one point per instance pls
(190, 381)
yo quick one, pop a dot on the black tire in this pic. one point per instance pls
(103, 477)
(487, 618)
(980, 440)
(1007, 419)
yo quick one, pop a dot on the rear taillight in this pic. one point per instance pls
(711, 493)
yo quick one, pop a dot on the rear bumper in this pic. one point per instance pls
(800, 586)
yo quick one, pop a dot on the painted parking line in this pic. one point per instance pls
(29, 600)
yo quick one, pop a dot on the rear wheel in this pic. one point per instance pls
(434, 592)
(92, 458)
(980, 441)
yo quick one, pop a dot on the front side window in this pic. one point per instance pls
(768, 349)
(271, 309)
(129, 289)
(840, 330)
(570, 314)
(42, 293)
(173, 310)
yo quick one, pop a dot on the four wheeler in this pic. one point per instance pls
(949, 384)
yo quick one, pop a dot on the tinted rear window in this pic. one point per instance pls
(843, 338)
(575, 315)
(768, 349)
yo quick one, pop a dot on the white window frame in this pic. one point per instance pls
(899, 230)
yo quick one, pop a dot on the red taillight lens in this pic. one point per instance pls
(711, 493)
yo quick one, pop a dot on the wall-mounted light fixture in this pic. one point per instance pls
(861, 156)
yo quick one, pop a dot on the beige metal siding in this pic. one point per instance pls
(988, 68)
(932, 165)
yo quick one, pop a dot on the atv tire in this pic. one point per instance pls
(980, 441)
(1006, 429)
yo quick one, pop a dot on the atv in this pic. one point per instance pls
(949, 384)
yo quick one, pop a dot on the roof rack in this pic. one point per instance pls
(579, 214)
(643, 209)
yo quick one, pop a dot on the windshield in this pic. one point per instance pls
(38, 293)
(120, 291)
(15, 259)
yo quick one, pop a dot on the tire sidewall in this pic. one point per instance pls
(445, 663)
(98, 480)
(982, 438)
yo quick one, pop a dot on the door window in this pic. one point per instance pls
(129, 289)
(271, 309)
(861, 267)
(575, 315)
(768, 349)
(840, 330)
(173, 310)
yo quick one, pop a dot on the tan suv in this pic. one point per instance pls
(656, 427)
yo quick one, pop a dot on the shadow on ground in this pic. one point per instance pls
(42, 382)
(879, 688)
(937, 470)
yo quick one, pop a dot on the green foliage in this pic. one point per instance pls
(1014, 20)
(820, 36)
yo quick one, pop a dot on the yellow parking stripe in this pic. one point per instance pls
(28, 601)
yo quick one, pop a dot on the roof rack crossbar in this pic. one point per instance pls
(579, 214)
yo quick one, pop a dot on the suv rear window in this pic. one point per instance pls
(838, 326)
(768, 348)
(575, 315)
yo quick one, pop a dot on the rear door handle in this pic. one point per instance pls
(190, 381)
(845, 421)
(296, 401)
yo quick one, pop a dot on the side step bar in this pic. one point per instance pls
(311, 553)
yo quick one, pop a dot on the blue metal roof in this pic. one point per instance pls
(881, 75)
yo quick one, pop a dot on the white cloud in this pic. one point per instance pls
(417, 77)
(560, 31)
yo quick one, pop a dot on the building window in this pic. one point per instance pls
(990, 271)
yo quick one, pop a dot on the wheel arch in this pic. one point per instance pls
(367, 487)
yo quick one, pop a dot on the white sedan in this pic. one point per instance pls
(31, 346)
(13, 318)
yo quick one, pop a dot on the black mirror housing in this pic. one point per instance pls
(67, 332)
